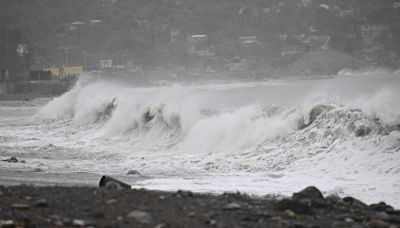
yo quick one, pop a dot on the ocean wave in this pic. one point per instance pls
(212, 120)
(368, 72)
(339, 133)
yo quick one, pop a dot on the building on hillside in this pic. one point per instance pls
(249, 40)
(4, 75)
(346, 13)
(292, 38)
(64, 72)
(370, 47)
(292, 50)
(198, 45)
(109, 2)
(317, 42)
(38, 75)
(106, 64)
(369, 32)
(174, 34)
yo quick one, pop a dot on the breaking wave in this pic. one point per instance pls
(369, 72)
(237, 119)
(341, 134)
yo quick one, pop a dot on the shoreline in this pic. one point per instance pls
(32, 206)
(39, 178)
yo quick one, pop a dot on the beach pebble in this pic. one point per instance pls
(357, 226)
(354, 202)
(67, 222)
(298, 225)
(113, 185)
(382, 206)
(297, 206)
(311, 193)
(349, 220)
(12, 159)
(232, 206)
(59, 223)
(38, 170)
(394, 219)
(381, 216)
(338, 224)
(7, 223)
(20, 206)
(376, 223)
(279, 220)
(111, 201)
(41, 203)
(1, 193)
(289, 214)
(212, 222)
(181, 193)
(133, 172)
(162, 225)
(55, 217)
(140, 216)
(98, 214)
(83, 223)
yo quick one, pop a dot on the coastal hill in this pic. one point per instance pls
(205, 34)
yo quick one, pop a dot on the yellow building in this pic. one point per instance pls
(73, 70)
(65, 71)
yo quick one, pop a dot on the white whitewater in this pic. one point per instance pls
(341, 135)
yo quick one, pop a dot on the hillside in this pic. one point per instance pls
(144, 33)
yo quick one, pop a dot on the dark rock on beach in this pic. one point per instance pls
(311, 193)
(133, 172)
(12, 160)
(29, 206)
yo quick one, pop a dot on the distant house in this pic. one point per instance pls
(370, 49)
(144, 23)
(249, 40)
(198, 44)
(22, 49)
(325, 6)
(38, 75)
(176, 2)
(283, 37)
(292, 38)
(106, 64)
(368, 32)
(109, 2)
(346, 13)
(197, 38)
(318, 42)
(4, 75)
(292, 50)
(370, 52)
(173, 34)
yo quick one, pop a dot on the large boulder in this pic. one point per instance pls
(309, 193)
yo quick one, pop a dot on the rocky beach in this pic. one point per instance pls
(32, 206)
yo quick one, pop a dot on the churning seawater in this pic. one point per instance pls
(341, 134)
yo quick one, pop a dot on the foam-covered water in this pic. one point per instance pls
(339, 134)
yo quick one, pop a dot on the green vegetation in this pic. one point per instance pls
(139, 31)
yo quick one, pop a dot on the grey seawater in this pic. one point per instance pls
(252, 137)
